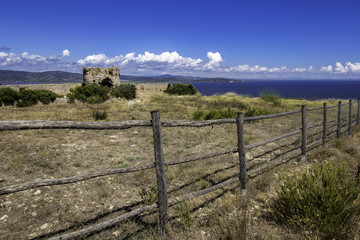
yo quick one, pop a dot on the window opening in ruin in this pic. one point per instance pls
(107, 82)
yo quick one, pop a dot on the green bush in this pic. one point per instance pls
(8, 96)
(90, 93)
(181, 89)
(46, 96)
(29, 97)
(324, 199)
(99, 115)
(125, 90)
(214, 114)
(256, 111)
(199, 114)
(271, 96)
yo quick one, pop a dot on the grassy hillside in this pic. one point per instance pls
(40, 154)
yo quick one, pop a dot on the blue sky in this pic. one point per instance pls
(240, 39)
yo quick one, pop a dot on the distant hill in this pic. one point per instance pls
(21, 77)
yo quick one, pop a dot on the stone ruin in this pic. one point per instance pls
(108, 77)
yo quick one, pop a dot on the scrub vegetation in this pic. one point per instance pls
(265, 213)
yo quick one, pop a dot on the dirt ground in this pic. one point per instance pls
(27, 155)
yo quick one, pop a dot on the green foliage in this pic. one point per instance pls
(46, 96)
(149, 196)
(181, 89)
(125, 90)
(98, 115)
(92, 94)
(185, 214)
(29, 97)
(271, 96)
(323, 199)
(214, 114)
(256, 111)
(8, 96)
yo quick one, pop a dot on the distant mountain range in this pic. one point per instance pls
(20, 77)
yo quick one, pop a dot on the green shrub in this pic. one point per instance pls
(99, 115)
(46, 96)
(90, 93)
(8, 96)
(256, 111)
(199, 114)
(181, 89)
(271, 96)
(214, 114)
(29, 97)
(126, 90)
(324, 200)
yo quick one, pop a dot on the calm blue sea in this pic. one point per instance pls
(307, 89)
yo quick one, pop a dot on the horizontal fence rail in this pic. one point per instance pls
(342, 124)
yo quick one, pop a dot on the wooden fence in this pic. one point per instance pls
(159, 164)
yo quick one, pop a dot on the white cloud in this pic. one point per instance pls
(328, 69)
(339, 68)
(66, 53)
(93, 59)
(26, 60)
(214, 57)
(353, 67)
(149, 63)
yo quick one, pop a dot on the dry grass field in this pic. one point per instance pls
(41, 213)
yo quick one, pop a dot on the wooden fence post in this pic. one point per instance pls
(304, 133)
(350, 115)
(324, 126)
(160, 171)
(358, 112)
(338, 121)
(241, 148)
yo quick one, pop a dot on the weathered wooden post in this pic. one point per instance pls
(160, 171)
(350, 116)
(338, 121)
(304, 133)
(324, 125)
(358, 112)
(241, 148)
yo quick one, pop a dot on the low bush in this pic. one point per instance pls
(181, 89)
(214, 114)
(29, 97)
(98, 115)
(324, 200)
(125, 90)
(46, 96)
(271, 96)
(8, 96)
(256, 111)
(90, 93)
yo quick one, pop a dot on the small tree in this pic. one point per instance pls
(181, 89)
(124, 90)
(8, 96)
(89, 93)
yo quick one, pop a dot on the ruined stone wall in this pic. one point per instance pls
(103, 76)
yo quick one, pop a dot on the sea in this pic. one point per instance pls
(303, 89)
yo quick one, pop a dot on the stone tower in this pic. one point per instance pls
(103, 76)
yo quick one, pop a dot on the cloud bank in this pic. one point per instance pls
(172, 63)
